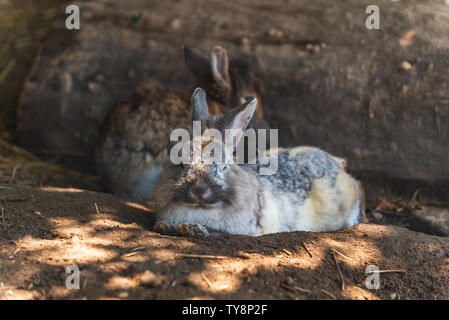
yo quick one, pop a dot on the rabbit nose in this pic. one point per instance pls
(200, 194)
(198, 191)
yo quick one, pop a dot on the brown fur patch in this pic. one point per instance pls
(148, 115)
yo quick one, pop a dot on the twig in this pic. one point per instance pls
(207, 280)
(130, 254)
(96, 208)
(301, 289)
(201, 256)
(329, 294)
(415, 195)
(339, 272)
(388, 271)
(9, 67)
(295, 288)
(307, 250)
(336, 251)
(13, 174)
(3, 219)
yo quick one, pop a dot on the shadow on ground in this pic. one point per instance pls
(42, 231)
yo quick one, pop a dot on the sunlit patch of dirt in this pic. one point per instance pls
(357, 293)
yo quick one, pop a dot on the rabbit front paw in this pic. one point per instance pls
(193, 230)
(165, 227)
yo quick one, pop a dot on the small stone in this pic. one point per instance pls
(275, 33)
(289, 281)
(175, 23)
(405, 65)
(244, 41)
(92, 86)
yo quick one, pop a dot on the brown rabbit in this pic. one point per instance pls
(131, 147)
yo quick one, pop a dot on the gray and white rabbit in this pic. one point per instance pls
(130, 151)
(310, 190)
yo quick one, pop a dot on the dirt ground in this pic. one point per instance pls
(44, 230)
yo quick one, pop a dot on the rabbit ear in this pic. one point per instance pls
(238, 119)
(197, 64)
(219, 65)
(200, 110)
(241, 116)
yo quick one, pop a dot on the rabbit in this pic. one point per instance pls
(130, 149)
(310, 191)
